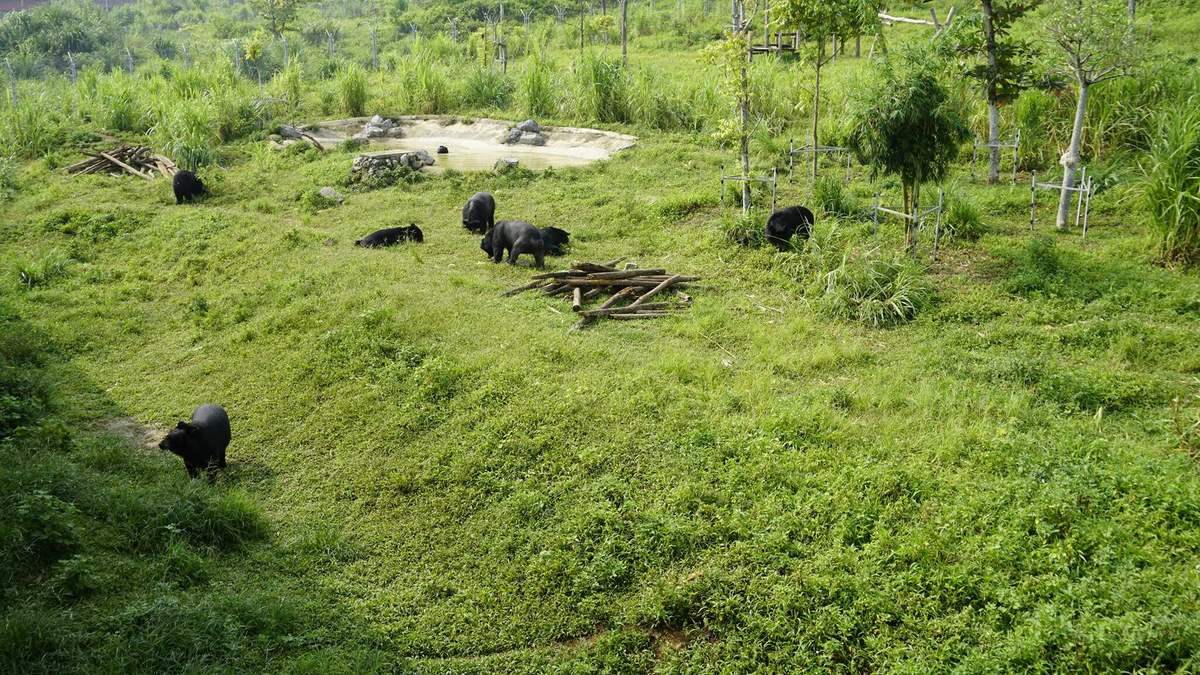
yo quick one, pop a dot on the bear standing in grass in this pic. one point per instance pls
(516, 237)
(187, 186)
(787, 222)
(201, 443)
(479, 213)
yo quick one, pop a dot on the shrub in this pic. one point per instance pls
(40, 529)
(830, 194)
(874, 291)
(44, 269)
(486, 89)
(963, 219)
(312, 201)
(601, 89)
(1171, 186)
(744, 230)
(352, 90)
(537, 88)
(8, 179)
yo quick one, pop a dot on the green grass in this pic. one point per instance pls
(836, 460)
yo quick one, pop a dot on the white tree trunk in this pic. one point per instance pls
(994, 142)
(989, 33)
(744, 109)
(817, 102)
(1070, 159)
(625, 32)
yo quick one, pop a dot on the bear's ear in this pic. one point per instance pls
(187, 427)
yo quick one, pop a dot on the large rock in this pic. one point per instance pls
(380, 127)
(369, 166)
(530, 127)
(505, 164)
(513, 136)
(331, 194)
(528, 138)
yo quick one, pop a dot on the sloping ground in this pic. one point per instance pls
(475, 144)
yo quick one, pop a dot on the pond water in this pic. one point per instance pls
(474, 145)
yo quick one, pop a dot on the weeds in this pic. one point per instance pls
(1171, 186)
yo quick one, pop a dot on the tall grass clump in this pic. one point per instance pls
(486, 88)
(426, 85)
(116, 105)
(32, 127)
(963, 218)
(352, 90)
(830, 193)
(187, 133)
(601, 89)
(9, 184)
(1037, 115)
(1171, 185)
(288, 86)
(875, 291)
(537, 87)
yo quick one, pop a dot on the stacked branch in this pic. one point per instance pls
(136, 160)
(626, 292)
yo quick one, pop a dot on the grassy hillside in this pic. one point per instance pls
(426, 477)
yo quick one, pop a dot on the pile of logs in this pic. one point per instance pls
(137, 160)
(627, 291)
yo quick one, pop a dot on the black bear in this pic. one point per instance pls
(187, 187)
(202, 442)
(786, 222)
(554, 240)
(442, 150)
(515, 236)
(391, 235)
(479, 213)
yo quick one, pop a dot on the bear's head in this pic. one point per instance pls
(485, 244)
(181, 439)
(414, 233)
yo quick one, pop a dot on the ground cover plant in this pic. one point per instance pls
(846, 456)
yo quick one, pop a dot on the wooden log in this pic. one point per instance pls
(561, 274)
(609, 282)
(649, 306)
(592, 267)
(624, 274)
(577, 299)
(616, 297)
(125, 166)
(593, 292)
(520, 289)
(614, 262)
(639, 315)
(655, 290)
(555, 289)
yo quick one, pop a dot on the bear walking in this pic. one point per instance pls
(201, 442)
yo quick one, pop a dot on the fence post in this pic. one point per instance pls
(128, 60)
(74, 72)
(329, 42)
(875, 215)
(374, 51)
(1087, 208)
(187, 57)
(12, 82)
(286, 55)
(1032, 201)
(937, 223)
(722, 186)
(974, 156)
(1016, 154)
(1079, 199)
(774, 179)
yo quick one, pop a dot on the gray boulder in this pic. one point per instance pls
(530, 127)
(513, 136)
(505, 164)
(528, 138)
(331, 194)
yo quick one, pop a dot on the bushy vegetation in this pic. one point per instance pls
(841, 457)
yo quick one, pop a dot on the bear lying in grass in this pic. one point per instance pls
(201, 442)
(392, 235)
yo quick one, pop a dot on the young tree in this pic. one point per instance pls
(732, 56)
(999, 62)
(1098, 42)
(820, 20)
(906, 125)
(279, 14)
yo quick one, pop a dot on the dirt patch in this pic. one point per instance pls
(138, 434)
(475, 145)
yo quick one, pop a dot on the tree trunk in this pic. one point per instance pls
(1070, 160)
(625, 32)
(989, 32)
(1132, 9)
(581, 27)
(817, 102)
